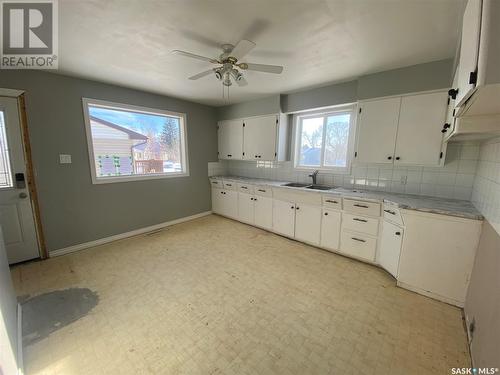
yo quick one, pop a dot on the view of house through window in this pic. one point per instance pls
(323, 140)
(131, 143)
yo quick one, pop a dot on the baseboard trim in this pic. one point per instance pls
(116, 237)
(432, 295)
(20, 361)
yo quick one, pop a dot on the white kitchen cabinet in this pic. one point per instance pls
(390, 247)
(358, 245)
(308, 223)
(225, 202)
(377, 129)
(469, 49)
(217, 200)
(420, 140)
(263, 211)
(246, 209)
(230, 139)
(260, 137)
(438, 254)
(330, 229)
(284, 217)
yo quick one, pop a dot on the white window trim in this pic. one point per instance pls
(352, 109)
(127, 107)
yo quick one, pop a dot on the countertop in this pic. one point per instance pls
(442, 206)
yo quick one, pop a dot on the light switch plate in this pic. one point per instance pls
(64, 159)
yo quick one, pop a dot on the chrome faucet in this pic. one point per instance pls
(314, 176)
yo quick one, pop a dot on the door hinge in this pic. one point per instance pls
(359, 110)
(448, 100)
(356, 154)
(275, 154)
(243, 124)
(276, 121)
(243, 154)
(473, 77)
(441, 155)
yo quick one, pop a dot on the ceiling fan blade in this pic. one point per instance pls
(194, 56)
(201, 75)
(276, 69)
(242, 48)
(242, 82)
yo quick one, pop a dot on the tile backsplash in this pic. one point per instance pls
(486, 191)
(454, 180)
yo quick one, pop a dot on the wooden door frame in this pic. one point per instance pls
(30, 173)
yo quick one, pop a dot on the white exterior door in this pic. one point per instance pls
(390, 247)
(330, 229)
(230, 138)
(308, 223)
(260, 138)
(378, 126)
(246, 211)
(284, 217)
(421, 120)
(16, 214)
(263, 212)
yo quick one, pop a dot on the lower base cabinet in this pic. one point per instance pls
(263, 212)
(390, 247)
(330, 229)
(284, 217)
(225, 202)
(246, 208)
(358, 245)
(308, 223)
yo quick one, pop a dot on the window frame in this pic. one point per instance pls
(86, 102)
(325, 112)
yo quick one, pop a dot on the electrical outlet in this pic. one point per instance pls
(404, 179)
(64, 159)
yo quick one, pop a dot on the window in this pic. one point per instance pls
(324, 140)
(134, 143)
(5, 171)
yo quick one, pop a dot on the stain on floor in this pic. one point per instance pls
(48, 312)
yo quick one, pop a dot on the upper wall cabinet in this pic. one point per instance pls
(403, 130)
(256, 138)
(230, 139)
(479, 63)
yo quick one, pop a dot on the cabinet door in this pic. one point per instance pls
(284, 217)
(230, 204)
(260, 138)
(217, 201)
(469, 50)
(264, 212)
(390, 247)
(377, 129)
(308, 223)
(330, 229)
(230, 138)
(421, 120)
(246, 208)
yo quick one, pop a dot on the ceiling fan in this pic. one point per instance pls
(229, 61)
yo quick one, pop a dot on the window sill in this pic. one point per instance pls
(110, 180)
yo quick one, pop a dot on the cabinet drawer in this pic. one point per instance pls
(245, 188)
(358, 245)
(359, 223)
(393, 214)
(229, 185)
(362, 207)
(263, 191)
(332, 202)
(216, 183)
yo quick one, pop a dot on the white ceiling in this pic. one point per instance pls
(128, 42)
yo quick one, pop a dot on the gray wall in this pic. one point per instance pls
(483, 300)
(421, 77)
(74, 210)
(257, 107)
(8, 316)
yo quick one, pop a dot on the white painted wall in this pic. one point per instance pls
(8, 317)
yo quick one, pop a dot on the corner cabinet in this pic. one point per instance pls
(262, 138)
(403, 130)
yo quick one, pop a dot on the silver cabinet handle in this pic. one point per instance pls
(390, 212)
(261, 190)
(358, 239)
(362, 220)
(243, 187)
(330, 201)
(360, 205)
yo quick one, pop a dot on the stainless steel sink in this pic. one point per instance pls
(297, 185)
(319, 187)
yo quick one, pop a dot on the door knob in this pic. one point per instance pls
(23, 195)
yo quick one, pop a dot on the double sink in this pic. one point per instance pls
(308, 186)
